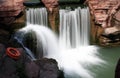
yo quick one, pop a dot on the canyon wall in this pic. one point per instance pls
(105, 16)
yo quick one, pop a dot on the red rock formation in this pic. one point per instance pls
(103, 10)
(53, 12)
(9, 9)
(105, 14)
(50, 4)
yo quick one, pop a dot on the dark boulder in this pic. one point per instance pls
(48, 68)
(117, 71)
(25, 68)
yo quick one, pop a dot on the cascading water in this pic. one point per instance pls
(74, 27)
(72, 51)
(37, 16)
(76, 53)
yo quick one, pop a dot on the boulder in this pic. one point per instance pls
(48, 68)
(9, 9)
(25, 68)
(117, 70)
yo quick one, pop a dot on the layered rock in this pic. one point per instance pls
(9, 10)
(105, 17)
(103, 11)
(53, 13)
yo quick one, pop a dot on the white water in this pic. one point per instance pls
(72, 60)
(72, 50)
(76, 53)
(37, 16)
(74, 27)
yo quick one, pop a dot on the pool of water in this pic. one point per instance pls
(111, 56)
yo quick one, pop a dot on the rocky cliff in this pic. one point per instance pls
(105, 15)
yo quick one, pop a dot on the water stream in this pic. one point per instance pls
(37, 16)
(75, 56)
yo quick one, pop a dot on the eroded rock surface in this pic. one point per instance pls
(103, 11)
(117, 70)
(9, 9)
(106, 18)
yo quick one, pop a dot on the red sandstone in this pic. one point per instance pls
(103, 11)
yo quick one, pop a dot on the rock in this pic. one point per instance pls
(9, 9)
(25, 68)
(53, 13)
(117, 70)
(8, 66)
(105, 14)
(111, 30)
(48, 68)
(32, 70)
(117, 16)
(103, 11)
(50, 4)
(4, 36)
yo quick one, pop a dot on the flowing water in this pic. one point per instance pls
(77, 54)
(37, 16)
(71, 48)
(27, 51)
(74, 27)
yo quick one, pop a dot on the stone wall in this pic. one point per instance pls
(105, 16)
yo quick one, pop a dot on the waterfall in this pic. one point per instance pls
(74, 27)
(27, 51)
(37, 16)
(75, 51)
(71, 49)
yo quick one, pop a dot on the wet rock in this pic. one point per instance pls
(9, 66)
(32, 70)
(53, 13)
(117, 70)
(4, 36)
(48, 68)
(25, 68)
